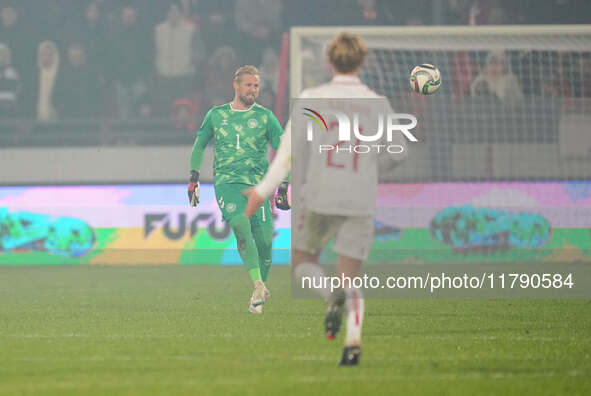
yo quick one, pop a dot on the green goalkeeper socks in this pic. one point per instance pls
(263, 238)
(256, 254)
(255, 274)
(246, 247)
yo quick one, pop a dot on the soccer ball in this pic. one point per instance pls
(425, 79)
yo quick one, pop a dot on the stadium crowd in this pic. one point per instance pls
(124, 59)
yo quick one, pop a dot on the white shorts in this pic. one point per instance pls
(353, 235)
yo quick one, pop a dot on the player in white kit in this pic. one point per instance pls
(338, 194)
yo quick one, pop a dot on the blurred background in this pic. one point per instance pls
(122, 72)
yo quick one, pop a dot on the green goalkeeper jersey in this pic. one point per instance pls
(240, 143)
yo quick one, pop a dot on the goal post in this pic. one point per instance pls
(501, 171)
(452, 38)
(529, 126)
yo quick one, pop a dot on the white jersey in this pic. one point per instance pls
(279, 168)
(344, 182)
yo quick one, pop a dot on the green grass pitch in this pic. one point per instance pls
(186, 331)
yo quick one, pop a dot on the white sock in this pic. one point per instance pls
(355, 308)
(315, 276)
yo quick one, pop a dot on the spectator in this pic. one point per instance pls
(52, 18)
(110, 12)
(9, 83)
(583, 72)
(471, 12)
(492, 12)
(463, 71)
(10, 30)
(78, 90)
(131, 71)
(269, 71)
(91, 33)
(20, 41)
(497, 79)
(541, 74)
(266, 98)
(556, 12)
(152, 12)
(217, 27)
(222, 65)
(497, 15)
(359, 12)
(550, 82)
(458, 11)
(179, 54)
(315, 69)
(48, 61)
(297, 13)
(478, 12)
(369, 12)
(259, 25)
(484, 12)
(189, 10)
(185, 114)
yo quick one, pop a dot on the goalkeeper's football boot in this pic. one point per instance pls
(351, 356)
(334, 314)
(258, 295)
(254, 310)
(259, 308)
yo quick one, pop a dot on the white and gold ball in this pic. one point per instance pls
(425, 79)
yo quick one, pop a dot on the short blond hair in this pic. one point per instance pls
(346, 52)
(246, 69)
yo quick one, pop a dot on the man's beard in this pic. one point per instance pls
(247, 100)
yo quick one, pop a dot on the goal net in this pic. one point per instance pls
(514, 104)
(503, 158)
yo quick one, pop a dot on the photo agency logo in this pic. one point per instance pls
(361, 140)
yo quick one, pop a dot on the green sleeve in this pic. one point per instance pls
(274, 130)
(204, 135)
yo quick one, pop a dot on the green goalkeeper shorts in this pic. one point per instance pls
(232, 203)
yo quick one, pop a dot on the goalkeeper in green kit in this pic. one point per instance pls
(241, 131)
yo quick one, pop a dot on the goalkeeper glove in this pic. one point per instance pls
(193, 191)
(283, 196)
